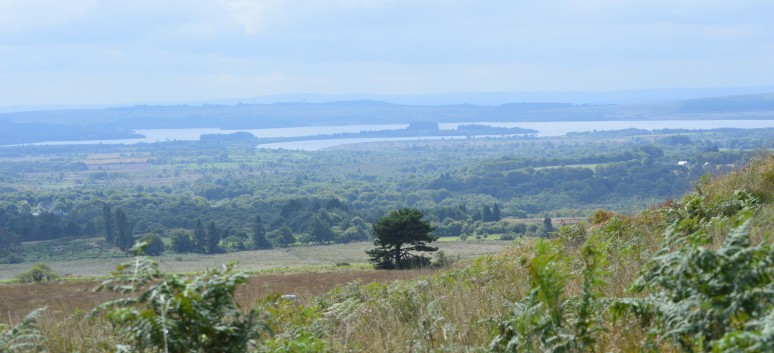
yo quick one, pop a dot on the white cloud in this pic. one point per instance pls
(172, 49)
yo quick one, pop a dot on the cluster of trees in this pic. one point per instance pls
(118, 232)
(464, 188)
(199, 241)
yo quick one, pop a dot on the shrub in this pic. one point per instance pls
(39, 272)
(13, 259)
(155, 245)
(233, 243)
(601, 216)
(172, 313)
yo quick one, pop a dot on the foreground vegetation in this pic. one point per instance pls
(692, 275)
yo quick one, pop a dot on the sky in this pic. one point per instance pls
(138, 51)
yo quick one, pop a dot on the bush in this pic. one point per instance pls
(155, 245)
(601, 216)
(172, 313)
(182, 242)
(233, 243)
(39, 272)
(13, 259)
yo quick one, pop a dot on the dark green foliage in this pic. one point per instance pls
(548, 225)
(392, 232)
(213, 238)
(703, 299)
(9, 242)
(39, 273)
(155, 245)
(124, 238)
(182, 242)
(72, 229)
(165, 312)
(486, 215)
(13, 259)
(109, 228)
(496, 214)
(282, 237)
(259, 234)
(90, 228)
(199, 238)
(757, 336)
(25, 337)
(320, 231)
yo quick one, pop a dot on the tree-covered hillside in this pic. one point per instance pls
(469, 189)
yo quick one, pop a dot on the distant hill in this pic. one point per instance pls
(629, 96)
(754, 102)
(302, 114)
(119, 122)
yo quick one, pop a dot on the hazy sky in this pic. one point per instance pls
(127, 51)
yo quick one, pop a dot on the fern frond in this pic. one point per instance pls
(26, 337)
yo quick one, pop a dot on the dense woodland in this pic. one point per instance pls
(242, 198)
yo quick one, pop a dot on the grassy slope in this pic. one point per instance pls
(457, 310)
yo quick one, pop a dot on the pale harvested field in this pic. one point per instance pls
(259, 260)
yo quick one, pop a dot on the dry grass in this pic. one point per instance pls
(63, 298)
(259, 260)
(69, 327)
(447, 312)
(316, 268)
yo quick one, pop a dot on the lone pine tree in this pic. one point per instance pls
(397, 235)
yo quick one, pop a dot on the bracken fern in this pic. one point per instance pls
(25, 337)
(703, 299)
(173, 313)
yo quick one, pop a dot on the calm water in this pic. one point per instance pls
(543, 128)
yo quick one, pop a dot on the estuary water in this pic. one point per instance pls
(553, 128)
(545, 129)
